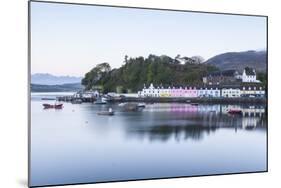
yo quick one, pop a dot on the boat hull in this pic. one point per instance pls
(55, 106)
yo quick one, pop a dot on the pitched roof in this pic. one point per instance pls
(223, 73)
(250, 71)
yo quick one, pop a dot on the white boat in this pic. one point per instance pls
(141, 105)
(122, 104)
(102, 100)
(107, 113)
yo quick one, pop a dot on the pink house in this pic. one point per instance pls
(190, 92)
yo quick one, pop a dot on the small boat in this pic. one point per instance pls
(234, 111)
(106, 113)
(101, 101)
(122, 104)
(141, 105)
(188, 101)
(55, 106)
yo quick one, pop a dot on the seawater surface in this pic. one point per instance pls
(75, 145)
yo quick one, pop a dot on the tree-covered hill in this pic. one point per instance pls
(135, 72)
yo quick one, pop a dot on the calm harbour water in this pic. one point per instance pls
(75, 145)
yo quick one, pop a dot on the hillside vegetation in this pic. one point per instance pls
(135, 72)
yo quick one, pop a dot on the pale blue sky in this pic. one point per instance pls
(72, 39)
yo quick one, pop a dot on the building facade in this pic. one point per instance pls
(249, 76)
(208, 92)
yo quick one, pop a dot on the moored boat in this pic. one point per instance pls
(55, 106)
(141, 105)
(122, 104)
(234, 111)
(102, 100)
(106, 113)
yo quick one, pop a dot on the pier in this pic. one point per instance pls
(206, 100)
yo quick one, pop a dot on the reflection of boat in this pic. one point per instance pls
(106, 113)
(45, 98)
(194, 104)
(102, 100)
(129, 107)
(56, 106)
(76, 101)
(234, 111)
(141, 105)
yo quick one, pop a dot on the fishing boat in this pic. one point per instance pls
(106, 113)
(141, 105)
(234, 111)
(55, 106)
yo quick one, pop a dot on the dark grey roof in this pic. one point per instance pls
(250, 71)
(224, 73)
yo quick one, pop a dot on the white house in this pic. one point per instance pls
(230, 92)
(252, 91)
(151, 91)
(249, 76)
(209, 92)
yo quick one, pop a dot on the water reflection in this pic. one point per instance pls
(196, 121)
(75, 144)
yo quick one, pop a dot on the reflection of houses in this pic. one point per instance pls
(209, 108)
(226, 108)
(253, 111)
(250, 122)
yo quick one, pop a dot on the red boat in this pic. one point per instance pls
(233, 111)
(55, 106)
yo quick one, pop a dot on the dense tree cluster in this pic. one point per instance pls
(135, 72)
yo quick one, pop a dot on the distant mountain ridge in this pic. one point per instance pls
(240, 60)
(49, 79)
(56, 88)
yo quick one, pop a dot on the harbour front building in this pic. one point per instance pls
(252, 91)
(230, 92)
(209, 92)
(216, 91)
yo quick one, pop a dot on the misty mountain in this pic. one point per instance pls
(57, 88)
(240, 60)
(49, 79)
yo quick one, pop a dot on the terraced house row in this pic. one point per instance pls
(207, 91)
